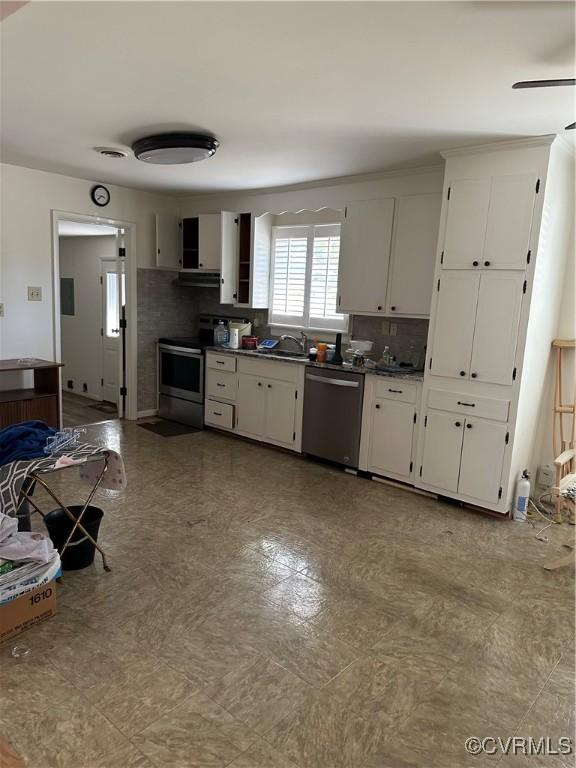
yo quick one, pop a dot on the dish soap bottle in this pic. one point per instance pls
(221, 335)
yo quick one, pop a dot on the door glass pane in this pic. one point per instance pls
(112, 308)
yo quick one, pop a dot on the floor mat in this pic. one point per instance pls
(168, 428)
(105, 407)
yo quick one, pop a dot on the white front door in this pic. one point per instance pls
(113, 298)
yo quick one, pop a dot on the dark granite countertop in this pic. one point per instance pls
(417, 376)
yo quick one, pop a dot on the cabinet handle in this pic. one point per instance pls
(457, 423)
(462, 373)
(200, 265)
(269, 386)
(220, 385)
(468, 426)
(397, 391)
(486, 263)
(470, 405)
(216, 413)
(219, 362)
(393, 309)
(473, 375)
(379, 307)
(259, 383)
(475, 263)
(377, 405)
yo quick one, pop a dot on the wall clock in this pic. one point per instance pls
(100, 195)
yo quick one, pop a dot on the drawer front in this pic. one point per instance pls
(457, 402)
(396, 389)
(221, 362)
(219, 414)
(271, 369)
(221, 384)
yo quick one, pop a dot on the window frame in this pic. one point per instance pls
(304, 323)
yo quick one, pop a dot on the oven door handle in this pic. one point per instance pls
(184, 350)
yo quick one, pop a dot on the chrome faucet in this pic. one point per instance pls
(302, 341)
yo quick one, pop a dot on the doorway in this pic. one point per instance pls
(90, 319)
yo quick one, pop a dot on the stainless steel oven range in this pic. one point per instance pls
(181, 381)
(181, 372)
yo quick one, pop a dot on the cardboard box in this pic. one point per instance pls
(27, 610)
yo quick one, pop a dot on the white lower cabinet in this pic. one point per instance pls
(482, 459)
(442, 450)
(251, 405)
(267, 409)
(392, 433)
(463, 455)
(257, 398)
(389, 420)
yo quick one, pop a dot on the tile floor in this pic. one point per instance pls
(78, 410)
(264, 611)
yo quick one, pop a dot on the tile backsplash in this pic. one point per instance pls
(409, 331)
(166, 309)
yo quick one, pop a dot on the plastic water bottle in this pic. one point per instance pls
(521, 497)
(221, 335)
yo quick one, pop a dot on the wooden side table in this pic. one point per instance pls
(40, 401)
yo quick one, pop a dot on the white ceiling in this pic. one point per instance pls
(295, 91)
(81, 229)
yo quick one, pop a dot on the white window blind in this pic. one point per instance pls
(304, 277)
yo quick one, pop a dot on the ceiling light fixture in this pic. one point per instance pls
(116, 154)
(175, 148)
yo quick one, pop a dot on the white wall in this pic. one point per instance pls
(28, 198)
(81, 259)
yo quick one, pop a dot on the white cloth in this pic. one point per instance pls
(23, 546)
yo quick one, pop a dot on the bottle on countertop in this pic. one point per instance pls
(221, 335)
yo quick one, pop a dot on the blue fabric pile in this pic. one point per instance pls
(24, 441)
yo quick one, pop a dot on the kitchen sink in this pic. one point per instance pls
(284, 354)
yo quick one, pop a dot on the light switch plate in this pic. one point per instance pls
(393, 329)
(386, 327)
(34, 293)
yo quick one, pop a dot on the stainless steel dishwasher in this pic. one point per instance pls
(333, 414)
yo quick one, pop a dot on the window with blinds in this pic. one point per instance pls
(304, 277)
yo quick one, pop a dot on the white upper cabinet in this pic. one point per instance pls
(210, 242)
(253, 260)
(411, 273)
(476, 325)
(509, 221)
(496, 328)
(229, 258)
(488, 222)
(454, 324)
(168, 242)
(482, 458)
(366, 236)
(466, 223)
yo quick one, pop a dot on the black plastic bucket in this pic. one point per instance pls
(80, 551)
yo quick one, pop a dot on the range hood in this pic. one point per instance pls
(198, 280)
